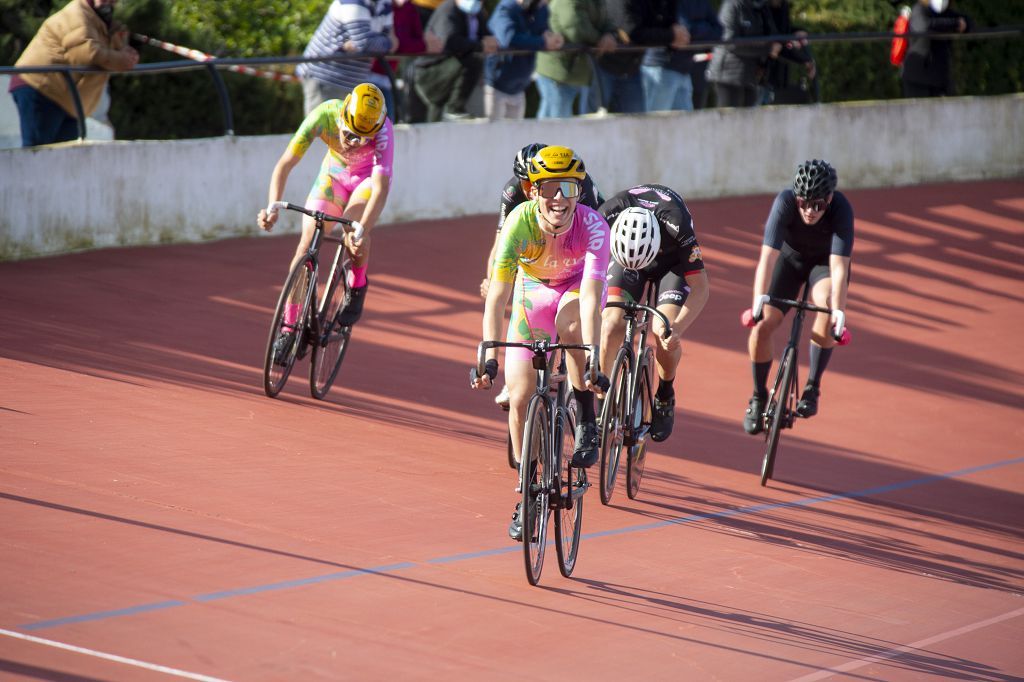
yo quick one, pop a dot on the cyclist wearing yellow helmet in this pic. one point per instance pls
(553, 255)
(354, 178)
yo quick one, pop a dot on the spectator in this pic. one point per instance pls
(517, 25)
(445, 81)
(83, 33)
(564, 76)
(408, 31)
(639, 22)
(776, 88)
(425, 8)
(666, 74)
(737, 69)
(928, 67)
(702, 20)
(352, 27)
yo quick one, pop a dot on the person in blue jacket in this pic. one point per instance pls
(517, 25)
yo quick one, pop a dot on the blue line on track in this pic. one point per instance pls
(468, 556)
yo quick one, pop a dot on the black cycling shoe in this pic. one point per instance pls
(664, 417)
(282, 346)
(808, 405)
(352, 308)
(515, 529)
(753, 419)
(587, 442)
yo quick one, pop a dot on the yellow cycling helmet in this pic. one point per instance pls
(363, 110)
(555, 163)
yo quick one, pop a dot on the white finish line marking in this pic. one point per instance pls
(112, 657)
(893, 653)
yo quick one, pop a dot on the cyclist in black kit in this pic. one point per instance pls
(516, 191)
(677, 269)
(811, 227)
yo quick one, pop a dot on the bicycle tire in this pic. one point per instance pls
(778, 406)
(613, 423)
(643, 416)
(329, 349)
(534, 510)
(572, 483)
(298, 285)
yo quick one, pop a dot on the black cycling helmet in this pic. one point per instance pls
(814, 180)
(521, 166)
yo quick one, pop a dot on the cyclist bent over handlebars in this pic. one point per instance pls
(560, 251)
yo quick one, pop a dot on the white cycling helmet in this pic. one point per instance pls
(636, 238)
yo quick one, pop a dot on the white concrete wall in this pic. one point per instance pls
(74, 196)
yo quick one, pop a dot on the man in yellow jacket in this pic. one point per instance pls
(82, 34)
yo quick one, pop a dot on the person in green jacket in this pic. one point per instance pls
(562, 76)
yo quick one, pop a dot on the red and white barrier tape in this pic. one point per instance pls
(203, 57)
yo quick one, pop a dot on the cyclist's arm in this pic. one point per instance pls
(839, 268)
(763, 274)
(590, 313)
(494, 313)
(380, 185)
(278, 180)
(486, 283)
(700, 291)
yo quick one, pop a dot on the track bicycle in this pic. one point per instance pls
(305, 318)
(628, 408)
(780, 412)
(547, 479)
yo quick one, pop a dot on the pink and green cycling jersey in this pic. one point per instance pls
(325, 122)
(579, 253)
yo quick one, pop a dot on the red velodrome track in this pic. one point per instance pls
(157, 507)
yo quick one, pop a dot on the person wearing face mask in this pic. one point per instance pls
(808, 238)
(83, 33)
(928, 66)
(445, 81)
(553, 255)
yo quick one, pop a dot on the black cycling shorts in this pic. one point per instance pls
(789, 275)
(670, 281)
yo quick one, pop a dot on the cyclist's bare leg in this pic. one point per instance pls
(667, 360)
(354, 211)
(521, 379)
(820, 334)
(567, 321)
(760, 342)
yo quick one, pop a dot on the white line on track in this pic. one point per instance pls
(112, 657)
(896, 651)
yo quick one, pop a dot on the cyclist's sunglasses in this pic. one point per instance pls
(570, 189)
(354, 138)
(816, 205)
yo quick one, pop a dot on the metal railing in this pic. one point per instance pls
(214, 66)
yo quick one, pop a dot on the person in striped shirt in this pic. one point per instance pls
(349, 27)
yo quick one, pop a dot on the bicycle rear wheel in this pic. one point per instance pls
(279, 358)
(572, 484)
(329, 349)
(780, 406)
(535, 480)
(643, 415)
(613, 423)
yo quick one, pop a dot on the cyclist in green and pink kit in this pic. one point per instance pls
(560, 251)
(354, 179)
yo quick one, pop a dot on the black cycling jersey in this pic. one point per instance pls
(810, 244)
(513, 195)
(678, 241)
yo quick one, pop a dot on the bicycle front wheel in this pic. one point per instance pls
(643, 416)
(329, 349)
(780, 406)
(288, 327)
(535, 479)
(572, 484)
(614, 417)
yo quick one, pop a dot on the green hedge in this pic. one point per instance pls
(186, 105)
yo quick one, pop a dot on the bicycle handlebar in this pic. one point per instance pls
(538, 348)
(625, 305)
(357, 228)
(754, 315)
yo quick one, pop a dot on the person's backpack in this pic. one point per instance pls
(899, 45)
